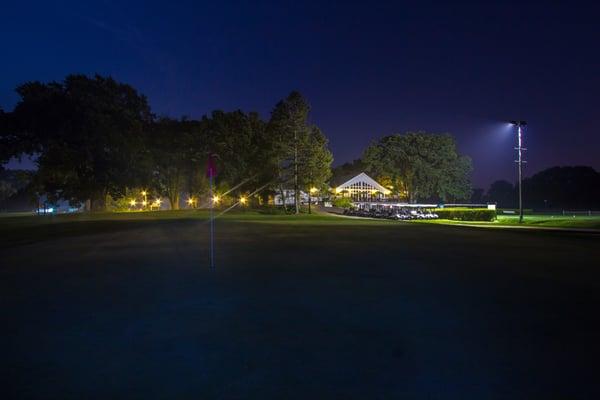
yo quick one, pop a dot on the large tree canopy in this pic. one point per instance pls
(563, 187)
(96, 139)
(178, 150)
(299, 148)
(88, 135)
(314, 160)
(503, 193)
(421, 166)
(243, 152)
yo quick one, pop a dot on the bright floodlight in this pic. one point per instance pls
(243, 200)
(518, 123)
(215, 199)
(143, 193)
(190, 201)
(132, 203)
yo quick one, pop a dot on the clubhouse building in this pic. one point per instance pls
(363, 188)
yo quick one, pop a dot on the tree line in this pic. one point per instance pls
(96, 139)
(555, 188)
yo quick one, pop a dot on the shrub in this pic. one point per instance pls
(342, 202)
(466, 214)
(280, 210)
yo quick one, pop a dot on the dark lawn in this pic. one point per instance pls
(323, 308)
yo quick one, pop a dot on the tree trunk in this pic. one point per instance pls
(98, 201)
(296, 193)
(174, 200)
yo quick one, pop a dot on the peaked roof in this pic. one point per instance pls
(362, 177)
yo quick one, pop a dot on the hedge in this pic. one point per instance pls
(466, 214)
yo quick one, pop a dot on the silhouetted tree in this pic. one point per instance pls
(178, 148)
(314, 160)
(563, 188)
(478, 196)
(87, 133)
(346, 171)
(289, 131)
(503, 194)
(239, 140)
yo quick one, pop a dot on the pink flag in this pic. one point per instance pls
(211, 166)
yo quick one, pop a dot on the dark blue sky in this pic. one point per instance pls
(368, 69)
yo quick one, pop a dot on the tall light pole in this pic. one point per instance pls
(520, 149)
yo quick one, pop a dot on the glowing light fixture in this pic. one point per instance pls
(243, 200)
(132, 203)
(314, 190)
(144, 203)
(215, 199)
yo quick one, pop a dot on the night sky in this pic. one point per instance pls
(368, 69)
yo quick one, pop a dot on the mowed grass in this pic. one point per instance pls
(591, 222)
(308, 306)
(549, 221)
(25, 229)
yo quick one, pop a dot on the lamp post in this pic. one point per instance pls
(520, 149)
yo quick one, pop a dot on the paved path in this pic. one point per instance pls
(297, 312)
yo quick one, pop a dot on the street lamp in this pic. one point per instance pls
(311, 191)
(243, 200)
(145, 202)
(520, 149)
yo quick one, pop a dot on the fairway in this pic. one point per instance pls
(124, 305)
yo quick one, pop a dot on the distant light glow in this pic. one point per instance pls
(132, 203)
(314, 190)
(243, 200)
(215, 199)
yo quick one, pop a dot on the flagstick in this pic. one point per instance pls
(212, 224)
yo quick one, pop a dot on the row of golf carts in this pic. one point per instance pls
(392, 213)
